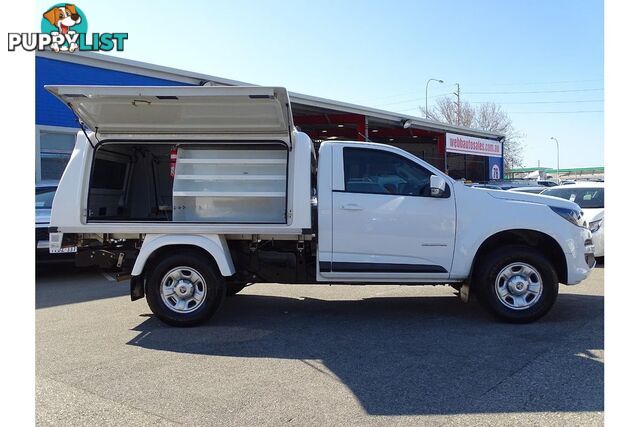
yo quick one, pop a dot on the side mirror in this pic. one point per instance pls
(438, 186)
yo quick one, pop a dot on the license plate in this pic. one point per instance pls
(67, 250)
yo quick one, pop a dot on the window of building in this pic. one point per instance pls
(477, 168)
(456, 165)
(381, 172)
(469, 167)
(55, 151)
(427, 151)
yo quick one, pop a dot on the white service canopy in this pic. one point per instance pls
(110, 111)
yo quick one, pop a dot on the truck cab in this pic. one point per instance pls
(191, 193)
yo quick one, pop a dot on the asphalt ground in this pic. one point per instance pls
(315, 355)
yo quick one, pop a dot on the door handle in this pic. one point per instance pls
(352, 207)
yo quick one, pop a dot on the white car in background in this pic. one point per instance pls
(590, 197)
(45, 191)
(44, 199)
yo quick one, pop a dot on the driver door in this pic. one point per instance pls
(385, 224)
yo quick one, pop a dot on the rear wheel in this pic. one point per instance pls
(185, 289)
(517, 283)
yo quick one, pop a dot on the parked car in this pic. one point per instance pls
(45, 191)
(590, 197)
(239, 179)
(44, 199)
(531, 189)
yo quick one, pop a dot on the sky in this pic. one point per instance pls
(542, 61)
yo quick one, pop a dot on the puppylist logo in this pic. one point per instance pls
(64, 29)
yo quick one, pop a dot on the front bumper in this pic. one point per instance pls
(579, 253)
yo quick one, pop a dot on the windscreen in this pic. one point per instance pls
(586, 198)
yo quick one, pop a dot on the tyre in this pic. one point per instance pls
(516, 283)
(185, 289)
(234, 287)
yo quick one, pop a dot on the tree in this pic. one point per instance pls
(488, 117)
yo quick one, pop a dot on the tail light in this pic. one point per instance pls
(173, 156)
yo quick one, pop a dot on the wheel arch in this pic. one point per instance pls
(212, 246)
(548, 246)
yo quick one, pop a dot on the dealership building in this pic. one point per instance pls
(461, 152)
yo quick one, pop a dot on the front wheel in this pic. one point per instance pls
(517, 283)
(185, 289)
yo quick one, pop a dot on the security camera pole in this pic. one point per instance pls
(558, 154)
(426, 97)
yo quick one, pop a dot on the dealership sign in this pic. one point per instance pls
(470, 145)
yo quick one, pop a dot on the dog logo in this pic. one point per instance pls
(64, 19)
(64, 29)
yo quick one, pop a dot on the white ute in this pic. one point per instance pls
(195, 192)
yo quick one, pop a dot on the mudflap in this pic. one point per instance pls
(465, 292)
(137, 287)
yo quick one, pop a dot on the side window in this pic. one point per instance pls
(381, 172)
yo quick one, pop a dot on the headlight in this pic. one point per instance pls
(595, 225)
(571, 215)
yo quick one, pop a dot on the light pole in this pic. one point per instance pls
(426, 96)
(558, 154)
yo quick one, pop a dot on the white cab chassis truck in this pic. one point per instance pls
(194, 192)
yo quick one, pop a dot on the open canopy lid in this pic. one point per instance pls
(110, 111)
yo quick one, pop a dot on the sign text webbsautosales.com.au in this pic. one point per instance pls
(468, 144)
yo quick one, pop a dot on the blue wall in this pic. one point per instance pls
(50, 111)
